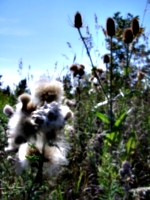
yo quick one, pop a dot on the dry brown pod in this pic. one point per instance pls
(74, 67)
(78, 20)
(110, 27)
(128, 35)
(106, 58)
(135, 26)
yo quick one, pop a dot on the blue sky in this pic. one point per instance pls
(37, 31)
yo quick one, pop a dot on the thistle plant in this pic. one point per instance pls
(110, 29)
(78, 24)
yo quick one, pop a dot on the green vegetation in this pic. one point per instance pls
(109, 156)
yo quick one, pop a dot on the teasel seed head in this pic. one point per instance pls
(135, 26)
(78, 20)
(106, 58)
(110, 27)
(128, 35)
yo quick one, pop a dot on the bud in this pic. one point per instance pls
(106, 58)
(110, 27)
(128, 35)
(78, 20)
(135, 26)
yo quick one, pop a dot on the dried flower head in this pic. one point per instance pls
(99, 71)
(106, 58)
(135, 26)
(128, 35)
(74, 67)
(140, 75)
(81, 70)
(77, 70)
(110, 27)
(78, 20)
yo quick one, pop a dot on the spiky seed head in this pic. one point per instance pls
(128, 35)
(135, 26)
(110, 27)
(78, 20)
(106, 58)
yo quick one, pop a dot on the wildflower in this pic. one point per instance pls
(78, 20)
(110, 27)
(135, 26)
(128, 35)
(125, 171)
(126, 165)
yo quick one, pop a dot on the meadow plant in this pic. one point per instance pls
(105, 154)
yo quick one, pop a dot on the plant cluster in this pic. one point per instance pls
(109, 140)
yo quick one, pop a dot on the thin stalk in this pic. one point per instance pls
(127, 65)
(111, 78)
(93, 68)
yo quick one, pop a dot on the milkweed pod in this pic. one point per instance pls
(128, 35)
(135, 26)
(78, 20)
(110, 27)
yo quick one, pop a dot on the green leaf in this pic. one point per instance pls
(130, 145)
(122, 118)
(113, 137)
(103, 117)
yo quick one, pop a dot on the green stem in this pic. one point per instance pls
(127, 66)
(111, 77)
(93, 68)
